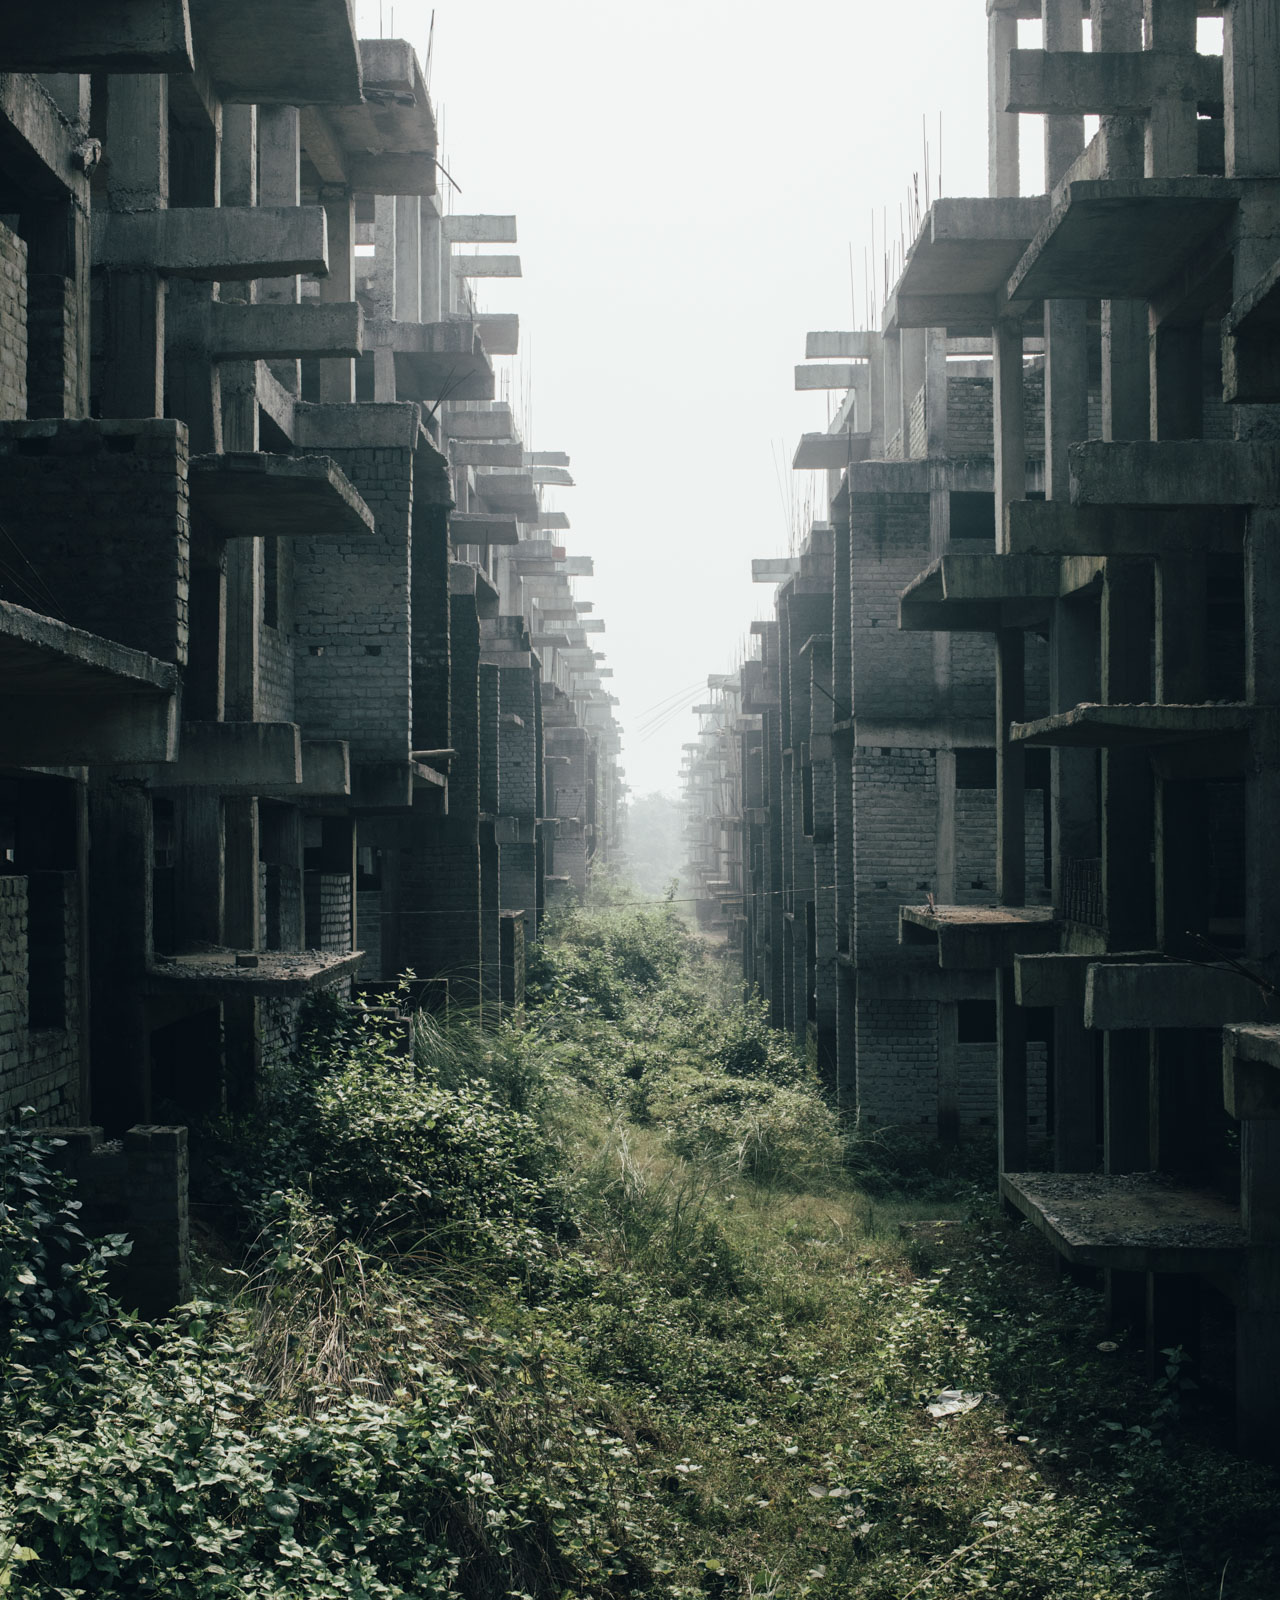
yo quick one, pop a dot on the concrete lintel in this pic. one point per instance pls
(88, 36)
(1171, 472)
(841, 346)
(243, 332)
(487, 267)
(479, 229)
(234, 758)
(213, 243)
(1057, 978)
(946, 734)
(1171, 994)
(486, 452)
(1053, 527)
(244, 494)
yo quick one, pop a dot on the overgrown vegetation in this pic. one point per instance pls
(608, 1305)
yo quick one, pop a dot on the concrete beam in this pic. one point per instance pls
(1176, 472)
(851, 346)
(475, 527)
(487, 266)
(830, 452)
(213, 243)
(559, 476)
(1110, 83)
(499, 333)
(326, 771)
(1171, 994)
(93, 36)
(1052, 527)
(840, 375)
(242, 332)
(234, 758)
(292, 52)
(479, 230)
(1138, 726)
(486, 452)
(494, 422)
(774, 569)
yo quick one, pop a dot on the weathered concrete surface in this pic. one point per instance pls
(979, 936)
(215, 973)
(97, 36)
(1172, 472)
(1171, 994)
(1113, 83)
(234, 758)
(213, 244)
(239, 331)
(241, 495)
(291, 52)
(1053, 527)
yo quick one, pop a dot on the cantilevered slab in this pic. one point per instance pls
(774, 569)
(487, 266)
(493, 421)
(1057, 978)
(70, 698)
(978, 593)
(1251, 1070)
(558, 477)
(1172, 472)
(975, 937)
(513, 493)
(832, 375)
(1122, 239)
(1134, 726)
(479, 229)
(1135, 1222)
(387, 139)
(247, 494)
(279, 973)
(234, 758)
(958, 266)
(1172, 994)
(486, 453)
(213, 243)
(239, 331)
(1110, 83)
(96, 36)
(1052, 527)
(838, 345)
(499, 333)
(434, 360)
(830, 452)
(291, 52)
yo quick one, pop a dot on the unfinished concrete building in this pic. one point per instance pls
(272, 564)
(1052, 491)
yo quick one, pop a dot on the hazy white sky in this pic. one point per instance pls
(689, 177)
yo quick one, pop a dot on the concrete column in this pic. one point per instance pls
(1009, 420)
(1011, 1082)
(337, 374)
(1004, 175)
(935, 395)
(891, 346)
(1126, 385)
(912, 343)
(244, 619)
(1063, 135)
(1066, 389)
(1251, 79)
(237, 380)
(384, 255)
(133, 302)
(1172, 145)
(1011, 766)
(435, 264)
(876, 418)
(1128, 802)
(408, 258)
(1262, 687)
(243, 914)
(279, 154)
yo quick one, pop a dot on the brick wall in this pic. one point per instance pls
(275, 640)
(13, 326)
(351, 619)
(897, 1060)
(895, 845)
(39, 1067)
(327, 898)
(969, 417)
(107, 498)
(892, 670)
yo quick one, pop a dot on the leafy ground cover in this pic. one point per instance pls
(608, 1305)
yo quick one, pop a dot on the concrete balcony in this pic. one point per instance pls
(434, 361)
(70, 698)
(978, 937)
(268, 974)
(956, 271)
(245, 494)
(382, 141)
